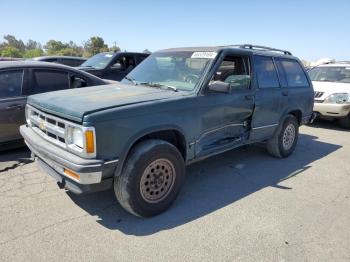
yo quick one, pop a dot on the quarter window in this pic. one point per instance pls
(294, 73)
(11, 83)
(266, 72)
(49, 80)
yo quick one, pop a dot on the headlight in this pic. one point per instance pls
(338, 98)
(75, 137)
(81, 139)
(28, 112)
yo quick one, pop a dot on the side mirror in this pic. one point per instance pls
(117, 66)
(219, 86)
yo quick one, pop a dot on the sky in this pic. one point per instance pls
(309, 29)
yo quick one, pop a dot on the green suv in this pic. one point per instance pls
(177, 107)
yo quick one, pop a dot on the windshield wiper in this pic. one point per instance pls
(152, 84)
(131, 80)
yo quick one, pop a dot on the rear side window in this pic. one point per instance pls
(11, 83)
(51, 60)
(72, 62)
(266, 72)
(49, 80)
(293, 72)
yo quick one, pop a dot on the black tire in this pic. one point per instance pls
(150, 162)
(277, 145)
(345, 121)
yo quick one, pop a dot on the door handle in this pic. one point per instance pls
(249, 97)
(285, 93)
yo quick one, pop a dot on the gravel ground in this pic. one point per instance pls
(239, 206)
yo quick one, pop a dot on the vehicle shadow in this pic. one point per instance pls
(327, 124)
(10, 159)
(211, 185)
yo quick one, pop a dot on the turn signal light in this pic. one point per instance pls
(90, 144)
(71, 174)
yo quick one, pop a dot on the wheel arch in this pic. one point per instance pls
(172, 134)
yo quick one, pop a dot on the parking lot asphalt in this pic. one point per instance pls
(242, 205)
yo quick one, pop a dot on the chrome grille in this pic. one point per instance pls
(318, 94)
(50, 127)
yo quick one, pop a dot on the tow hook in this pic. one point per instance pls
(62, 184)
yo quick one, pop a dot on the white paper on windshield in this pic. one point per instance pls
(108, 55)
(207, 55)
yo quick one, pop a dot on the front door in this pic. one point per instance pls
(226, 116)
(12, 104)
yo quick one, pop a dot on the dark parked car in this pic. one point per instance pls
(2, 58)
(64, 60)
(177, 107)
(112, 65)
(20, 79)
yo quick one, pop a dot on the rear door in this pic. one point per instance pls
(46, 80)
(269, 98)
(12, 104)
(296, 86)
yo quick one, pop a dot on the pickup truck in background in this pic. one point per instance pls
(112, 65)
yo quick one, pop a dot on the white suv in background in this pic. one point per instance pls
(332, 91)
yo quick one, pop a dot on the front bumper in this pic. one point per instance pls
(94, 175)
(332, 110)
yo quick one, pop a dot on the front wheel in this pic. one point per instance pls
(283, 143)
(151, 179)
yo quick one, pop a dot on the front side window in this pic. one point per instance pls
(126, 63)
(98, 61)
(234, 70)
(293, 72)
(178, 69)
(266, 72)
(77, 81)
(11, 83)
(49, 80)
(339, 74)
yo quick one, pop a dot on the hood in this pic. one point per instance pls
(75, 103)
(328, 88)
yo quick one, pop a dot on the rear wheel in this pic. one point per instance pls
(283, 143)
(151, 179)
(345, 122)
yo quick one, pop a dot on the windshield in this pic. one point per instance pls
(330, 74)
(178, 70)
(98, 61)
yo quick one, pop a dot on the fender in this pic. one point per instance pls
(133, 139)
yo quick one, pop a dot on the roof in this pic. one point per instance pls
(335, 64)
(244, 48)
(39, 64)
(54, 56)
(32, 63)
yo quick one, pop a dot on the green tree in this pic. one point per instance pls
(13, 42)
(31, 44)
(11, 51)
(95, 45)
(33, 53)
(54, 47)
